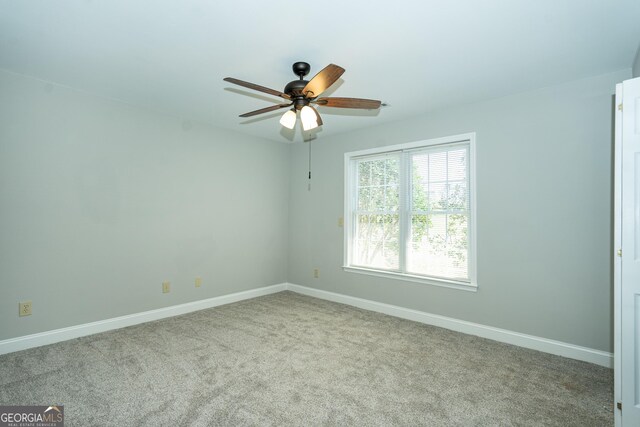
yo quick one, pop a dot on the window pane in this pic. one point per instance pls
(392, 171)
(420, 181)
(377, 185)
(377, 199)
(438, 195)
(438, 166)
(364, 170)
(457, 164)
(376, 244)
(458, 245)
(377, 230)
(378, 172)
(363, 199)
(392, 201)
(457, 198)
(438, 246)
(420, 197)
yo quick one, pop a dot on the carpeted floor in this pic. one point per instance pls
(288, 359)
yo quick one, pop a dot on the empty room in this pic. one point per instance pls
(338, 213)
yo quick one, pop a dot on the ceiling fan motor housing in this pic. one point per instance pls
(294, 90)
(295, 87)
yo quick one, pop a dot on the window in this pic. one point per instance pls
(409, 211)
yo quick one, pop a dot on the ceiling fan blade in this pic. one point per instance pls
(318, 118)
(265, 110)
(256, 87)
(321, 81)
(366, 104)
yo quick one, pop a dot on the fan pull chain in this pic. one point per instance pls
(309, 185)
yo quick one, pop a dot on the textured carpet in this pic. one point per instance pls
(288, 359)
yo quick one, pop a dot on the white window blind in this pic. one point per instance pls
(438, 243)
(408, 211)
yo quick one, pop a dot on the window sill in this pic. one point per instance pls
(452, 284)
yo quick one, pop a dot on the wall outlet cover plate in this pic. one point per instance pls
(24, 308)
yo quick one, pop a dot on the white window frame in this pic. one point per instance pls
(350, 200)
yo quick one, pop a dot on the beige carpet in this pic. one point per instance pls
(288, 359)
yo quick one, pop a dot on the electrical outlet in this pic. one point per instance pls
(166, 287)
(24, 308)
(316, 273)
(198, 282)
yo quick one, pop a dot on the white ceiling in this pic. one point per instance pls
(416, 56)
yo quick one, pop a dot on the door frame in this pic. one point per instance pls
(617, 259)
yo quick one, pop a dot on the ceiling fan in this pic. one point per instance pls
(301, 93)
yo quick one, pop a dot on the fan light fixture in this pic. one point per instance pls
(308, 118)
(288, 120)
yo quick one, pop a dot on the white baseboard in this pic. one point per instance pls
(57, 335)
(523, 340)
(503, 335)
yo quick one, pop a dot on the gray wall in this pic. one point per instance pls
(544, 188)
(636, 64)
(100, 202)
